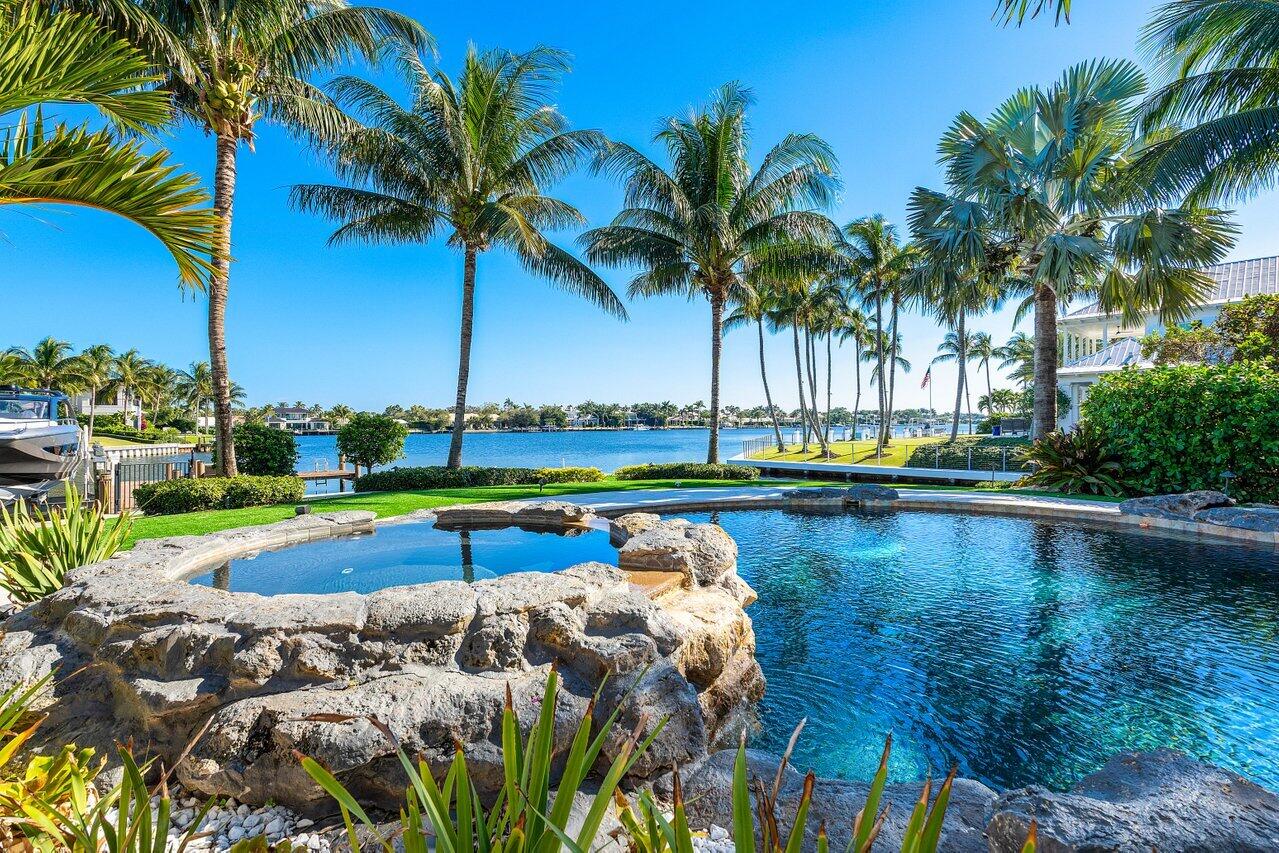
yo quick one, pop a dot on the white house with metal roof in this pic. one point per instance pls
(1094, 343)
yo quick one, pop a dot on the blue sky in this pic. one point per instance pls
(371, 326)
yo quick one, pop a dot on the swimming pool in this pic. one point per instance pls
(1023, 651)
(408, 553)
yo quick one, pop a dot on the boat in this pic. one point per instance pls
(41, 443)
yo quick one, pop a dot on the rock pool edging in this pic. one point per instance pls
(433, 661)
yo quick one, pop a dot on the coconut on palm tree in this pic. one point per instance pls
(49, 364)
(421, 171)
(68, 58)
(708, 223)
(1038, 195)
(230, 65)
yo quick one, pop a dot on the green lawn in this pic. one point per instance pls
(851, 452)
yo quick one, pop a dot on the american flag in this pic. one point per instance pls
(928, 377)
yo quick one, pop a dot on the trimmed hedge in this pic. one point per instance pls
(170, 497)
(439, 477)
(1178, 428)
(261, 451)
(987, 450)
(686, 471)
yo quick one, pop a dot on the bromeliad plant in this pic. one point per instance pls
(525, 817)
(37, 549)
(1081, 461)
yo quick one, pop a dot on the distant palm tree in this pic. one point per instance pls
(229, 65)
(96, 368)
(67, 58)
(892, 353)
(854, 329)
(417, 171)
(1018, 355)
(49, 364)
(752, 306)
(957, 346)
(709, 223)
(194, 389)
(981, 349)
(1223, 55)
(131, 374)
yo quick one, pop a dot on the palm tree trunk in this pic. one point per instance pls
(879, 360)
(463, 358)
(93, 410)
(892, 368)
(810, 359)
(768, 397)
(1045, 412)
(799, 379)
(828, 379)
(990, 403)
(857, 401)
(962, 362)
(223, 199)
(717, 343)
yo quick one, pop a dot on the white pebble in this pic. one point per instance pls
(718, 833)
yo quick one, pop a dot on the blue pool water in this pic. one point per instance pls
(1019, 650)
(409, 553)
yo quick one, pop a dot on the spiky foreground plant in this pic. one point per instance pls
(1076, 462)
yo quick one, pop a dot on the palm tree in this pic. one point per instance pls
(49, 364)
(96, 369)
(416, 171)
(194, 389)
(1038, 196)
(752, 307)
(854, 329)
(709, 223)
(981, 348)
(1223, 55)
(1020, 10)
(228, 65)
(957, 346)
(67, 58)
(1018, 355)
(892, 355)
(131, 375)
(159, 386)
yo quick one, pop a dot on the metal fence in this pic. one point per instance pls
(130, 474)
(755, 447)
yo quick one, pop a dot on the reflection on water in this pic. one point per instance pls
(410, 553)
(1022, 651)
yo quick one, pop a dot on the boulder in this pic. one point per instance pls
(1264, 519)
(872, 493)
(823, 496)
(547, 513)
(1181, 507)
(708, 792)
(624, 527)
(703, 552)
(1162, 800)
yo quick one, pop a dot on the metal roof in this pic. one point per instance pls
(1235, 280)
(1119, 354)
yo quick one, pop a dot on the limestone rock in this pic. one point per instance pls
(865, 493)
(505, 513)
(1176, 507)
(1260, 518)
(703, 552)
(1162, 800)
(632, 524)
(708, 791)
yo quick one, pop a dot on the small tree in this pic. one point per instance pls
(262, 451)
(370, 440)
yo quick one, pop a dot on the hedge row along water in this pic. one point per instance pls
(686, 471)
(439, 477)
(170, 497)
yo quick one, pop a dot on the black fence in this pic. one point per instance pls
(131, 473)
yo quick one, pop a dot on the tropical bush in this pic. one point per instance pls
(1077, 462)
(1178, 428)
(169, 497)
(686, 471)
(265, 452)
(37, 549)
(370, 440)
(1244, 332)
(439, 477)
(986, 451)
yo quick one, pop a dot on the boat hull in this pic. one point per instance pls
(38, 454)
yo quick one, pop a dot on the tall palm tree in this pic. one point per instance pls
(1018, 355)
(194, 389)
(96, 369)
(879, 265)
(854, 329)
(981, 349)
(708, 223)
(49, 364)
(68, 58)
(1224, 58)
(1039, 196)
(229, 65)
(957, 346)
(131, 375)
(475, 156)
(752, 307)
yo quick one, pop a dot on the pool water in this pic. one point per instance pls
(1021, 651)
(409, 553)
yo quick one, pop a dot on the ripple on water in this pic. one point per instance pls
(1020, 650)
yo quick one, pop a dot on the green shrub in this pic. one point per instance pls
(1177, 428)
(686, 471)
(1077, 462)
(370, 440)
(261, 451)
(37, 550)
(470, 477)
(986, 451)
(170, 497)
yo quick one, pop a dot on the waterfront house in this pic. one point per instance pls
(1094, 343)
(297, 419)
(110, 402)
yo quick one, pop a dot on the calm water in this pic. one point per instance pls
(409, 553)
(1021, 651)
